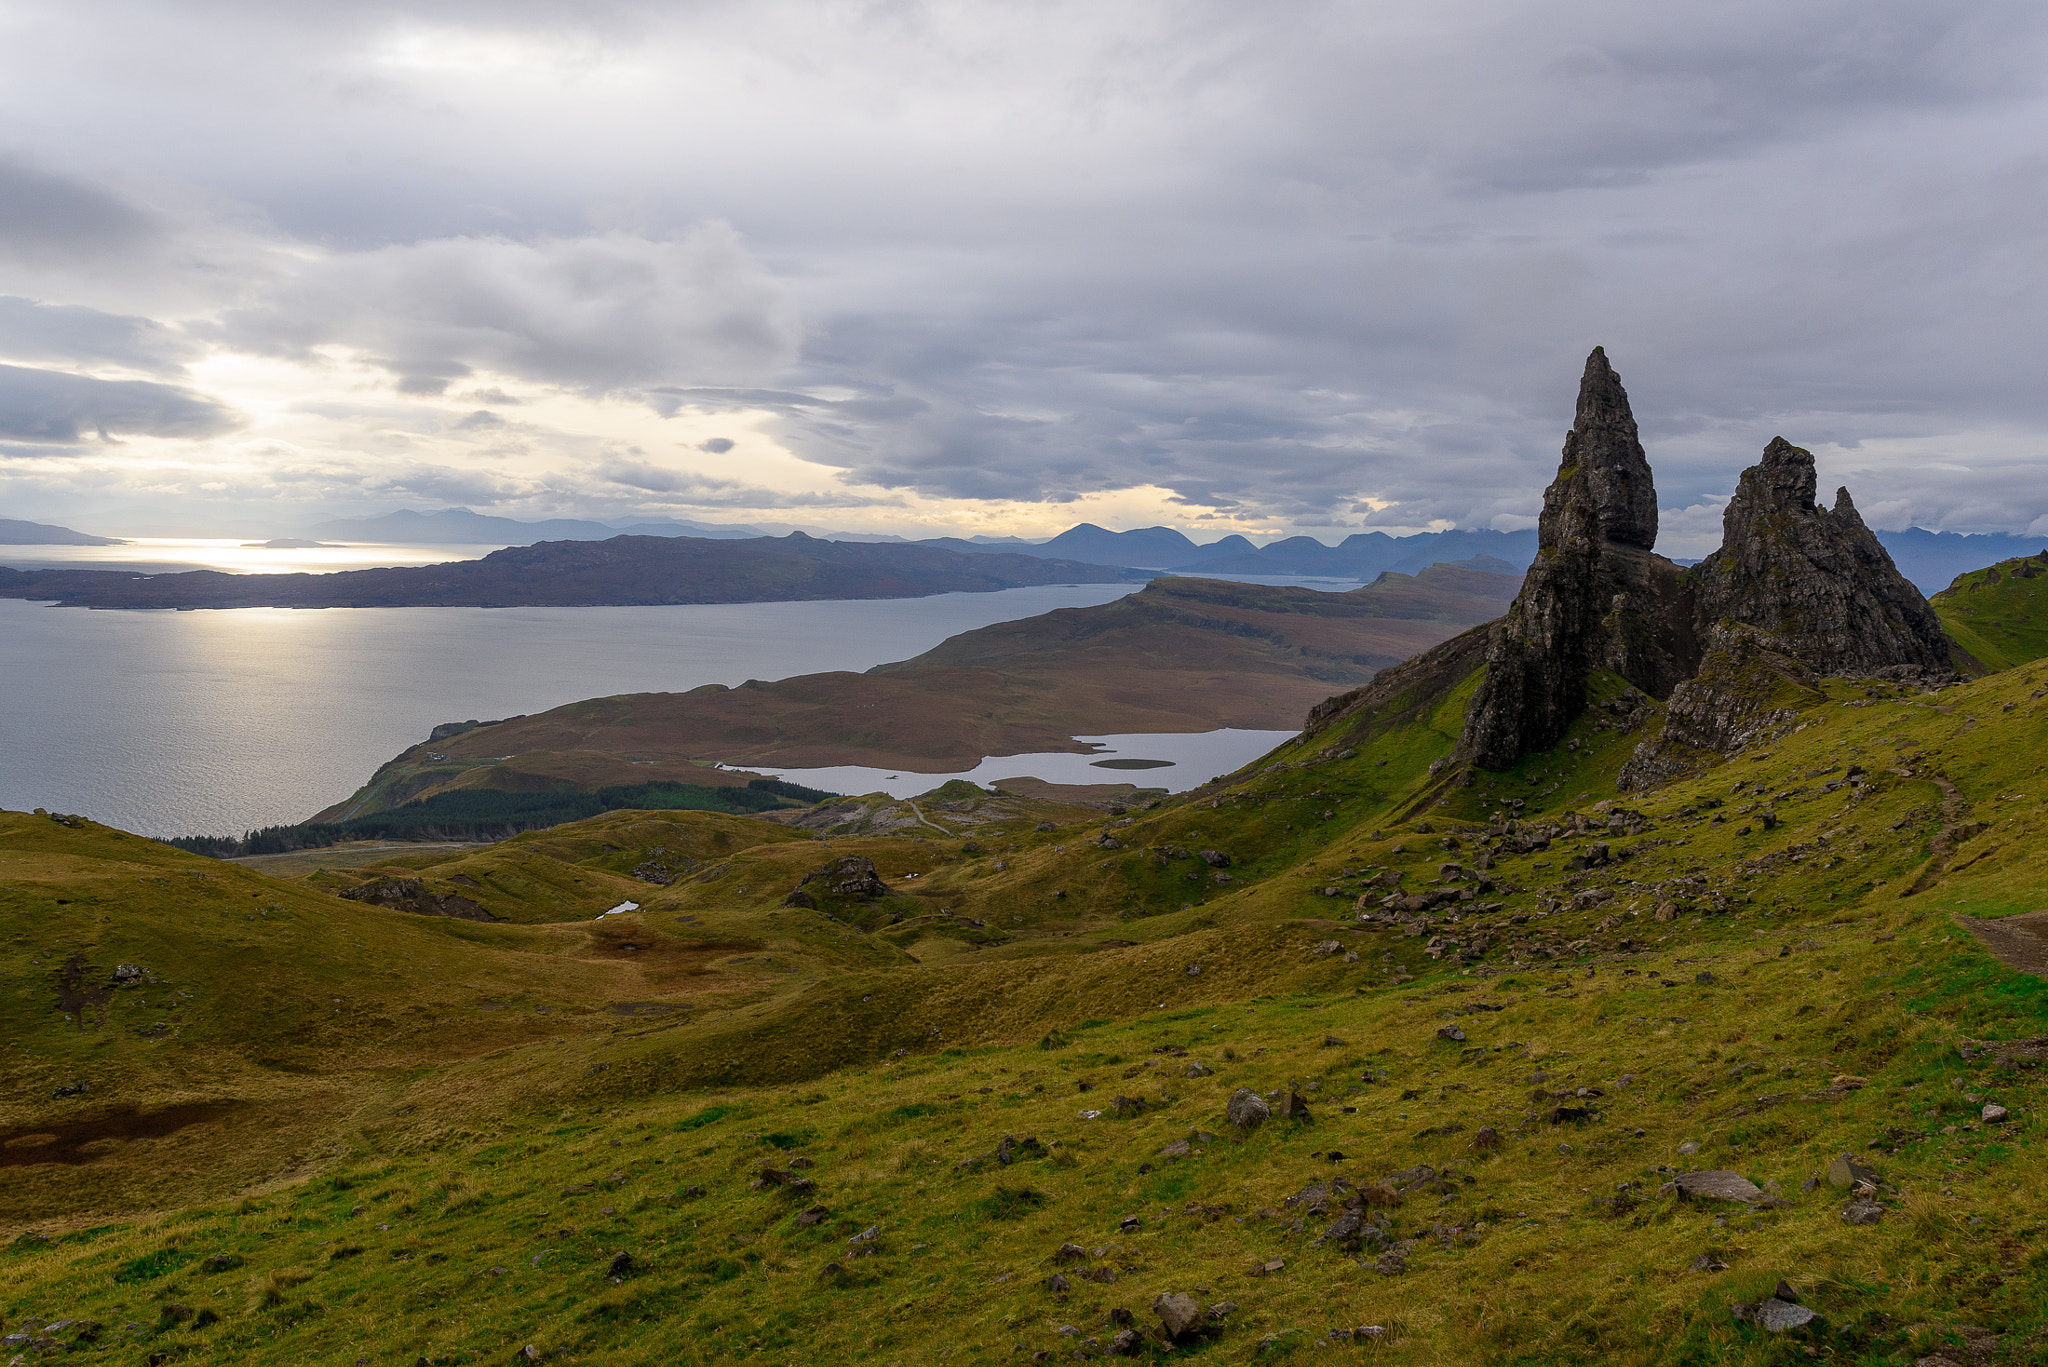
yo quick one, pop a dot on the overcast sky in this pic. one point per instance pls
(1002, 267)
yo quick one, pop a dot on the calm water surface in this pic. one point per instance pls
(177, 723)
(1175, 762)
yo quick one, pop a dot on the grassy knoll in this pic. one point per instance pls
(2000, 613)
(1755, 969)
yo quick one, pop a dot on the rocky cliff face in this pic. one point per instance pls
(1816, 579)
(1595, 598)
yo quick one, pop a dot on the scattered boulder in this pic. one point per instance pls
(811, 1215)
(1215, 859)
(1994, 1114)
(1451, 1034)
(1180, 1316)
(622, 1265)
(1486, 1140)
(1247, 1109)
(1718, 1184)
(1847, 1172)
(1058, 1284)
(1128, 1343)
(1326, 948)
(1779, 1316)
(1862, 1212)
(1070, 1253)
(1292, 1106)
(1707, 1262)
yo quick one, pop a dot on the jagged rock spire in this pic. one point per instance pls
(1603, 440)
(1817, 580)
(1595, 598)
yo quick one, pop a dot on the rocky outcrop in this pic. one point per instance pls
(413, 895)
(1596, 597)
(1796, 592)
(1815, 578)
(851, 879)
(1747, 691)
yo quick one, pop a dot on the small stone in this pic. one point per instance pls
(1070, 1253)
(1058, 1284)
(1847, 1172)
(811, 1216)
(1486, 1140)
(800, 1161)
(1995, 1114)
(1326, 948)
(1246, 1109)
(622, 1265)
(1784, 1292)
(1267, 1269)
(1292, 1106)
(1707, 1262)
(1127, 1344)
(529, 1352)
(1391, 1263)
(1719, 1184)
(1862, 1213)
(1778, 1316)
(1703, 977)
(1690, 1146)
(1451, 1033)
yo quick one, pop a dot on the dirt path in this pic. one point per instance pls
(2019, 942)
(1954, 831)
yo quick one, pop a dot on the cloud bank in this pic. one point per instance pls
(942, 264)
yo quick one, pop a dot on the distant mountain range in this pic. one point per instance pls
(619, 572)
(17, 533)
(1931, 560)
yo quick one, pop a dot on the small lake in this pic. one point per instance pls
(1173, 761)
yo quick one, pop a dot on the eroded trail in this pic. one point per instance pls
(2019, 942)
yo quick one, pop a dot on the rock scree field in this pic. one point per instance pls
(1704, 1029)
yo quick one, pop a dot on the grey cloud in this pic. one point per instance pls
(33, 331)
(717, 446)
(598, 313)
(46, 218)
(47, 406)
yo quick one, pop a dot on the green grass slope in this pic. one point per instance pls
(1756, 969)
(2000, 613)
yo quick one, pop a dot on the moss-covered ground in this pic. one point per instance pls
(322, 1131)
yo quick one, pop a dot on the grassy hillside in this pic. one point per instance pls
(1579, 1000)
(1999, 614)
(1182, 655)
